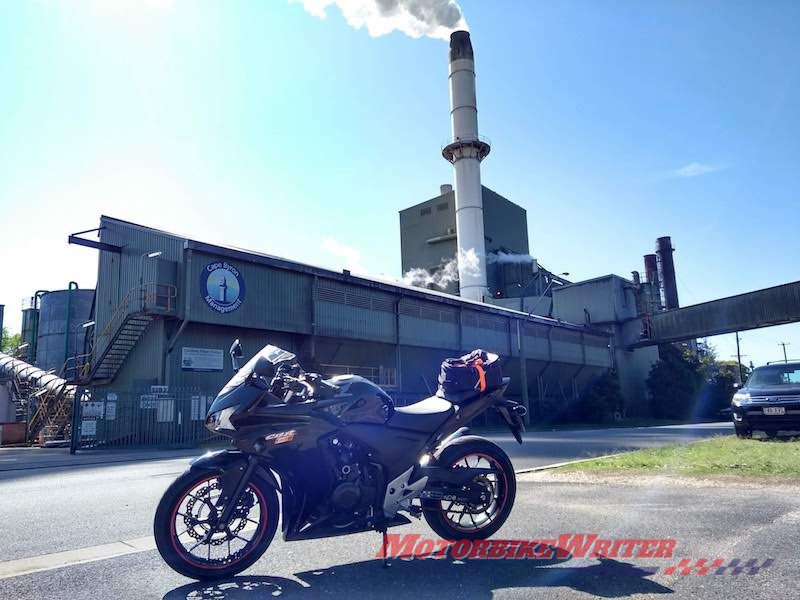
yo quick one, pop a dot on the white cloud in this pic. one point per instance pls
(694, 169)
(344, 255)
(416, 18)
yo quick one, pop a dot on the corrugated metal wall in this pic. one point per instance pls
(274, 299)
(489, 332)
(355, 312)
(772, 306)
(119, 273)
(428, 324)
(324, 318)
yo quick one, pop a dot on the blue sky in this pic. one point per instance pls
(258, 125)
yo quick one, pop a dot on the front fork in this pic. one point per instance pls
(236, 469)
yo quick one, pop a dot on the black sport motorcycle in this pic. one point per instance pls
(344, 460)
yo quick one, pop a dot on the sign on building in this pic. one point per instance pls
(202, 359)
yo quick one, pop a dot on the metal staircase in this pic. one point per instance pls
(120, 346)
(50, 419)
(140, 307)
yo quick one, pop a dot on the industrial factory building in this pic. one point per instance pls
(137, 360)
(168, 307)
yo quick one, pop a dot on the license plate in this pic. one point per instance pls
(774, 410)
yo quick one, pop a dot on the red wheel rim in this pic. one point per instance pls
(187, 526)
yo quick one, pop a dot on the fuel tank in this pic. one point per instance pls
(358, 400)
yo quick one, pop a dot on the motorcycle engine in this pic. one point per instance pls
(354, 489)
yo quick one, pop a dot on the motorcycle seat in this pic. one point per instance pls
(426, 415)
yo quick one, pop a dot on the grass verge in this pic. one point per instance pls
(717, 456)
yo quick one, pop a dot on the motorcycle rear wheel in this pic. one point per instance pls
(472, 522)
(186, 516)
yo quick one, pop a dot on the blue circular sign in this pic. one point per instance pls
(222, 287)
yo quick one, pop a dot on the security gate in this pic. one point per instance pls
(156, 416)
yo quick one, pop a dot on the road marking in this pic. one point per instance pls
(564, 464)
(68, 558)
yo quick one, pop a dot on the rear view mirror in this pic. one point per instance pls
(236, 353)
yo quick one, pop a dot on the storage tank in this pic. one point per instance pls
(30, 320)
(62, 314)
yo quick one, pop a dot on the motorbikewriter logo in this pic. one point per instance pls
(564, 547)
(222, 287)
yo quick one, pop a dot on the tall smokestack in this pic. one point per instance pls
(651, 269)
(466, 151)
(666, 272)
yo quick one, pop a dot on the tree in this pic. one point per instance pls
(673, 383)
(688, 382)
(601, 399)
(9, 343)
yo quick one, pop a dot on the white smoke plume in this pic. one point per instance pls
(508, 257)
(416, 18)
(446, 274)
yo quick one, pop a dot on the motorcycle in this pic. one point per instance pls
(344, 460)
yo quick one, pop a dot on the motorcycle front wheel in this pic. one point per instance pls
(190, 537)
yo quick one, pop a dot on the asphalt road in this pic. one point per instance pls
(55, 509)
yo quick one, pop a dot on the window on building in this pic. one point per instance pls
(424, 211)
(442, 206)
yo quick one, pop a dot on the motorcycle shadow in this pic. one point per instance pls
(443, 578)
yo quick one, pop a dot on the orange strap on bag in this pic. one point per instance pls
(481, 374)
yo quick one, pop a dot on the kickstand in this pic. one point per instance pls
(385, 550)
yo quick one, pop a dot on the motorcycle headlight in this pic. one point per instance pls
(221, 419)
(740, 398)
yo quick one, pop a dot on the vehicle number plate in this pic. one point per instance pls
(774, 410)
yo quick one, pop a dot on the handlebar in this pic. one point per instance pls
(292, 384)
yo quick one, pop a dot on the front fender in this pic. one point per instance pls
(231, 461)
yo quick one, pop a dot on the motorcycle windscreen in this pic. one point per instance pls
(269, 353)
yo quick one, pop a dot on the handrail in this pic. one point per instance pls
(81, 367)
(148, 295)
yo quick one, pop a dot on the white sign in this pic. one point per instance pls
(92, 409)
(88, 427)
(202, 359)
(111, 411)
(165, 411)
(198, 408)
(147, 401)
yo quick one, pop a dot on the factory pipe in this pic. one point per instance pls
(13, 367)
(465, 152)
(666, 272)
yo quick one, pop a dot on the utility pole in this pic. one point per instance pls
(784, 344)
(739, 359)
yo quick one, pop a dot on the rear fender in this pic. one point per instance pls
(461, 432)
(512, 413)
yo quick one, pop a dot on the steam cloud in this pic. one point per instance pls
(507, 257)
(446, 274)
(416, 18)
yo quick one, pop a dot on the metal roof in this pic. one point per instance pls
(388, 286)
